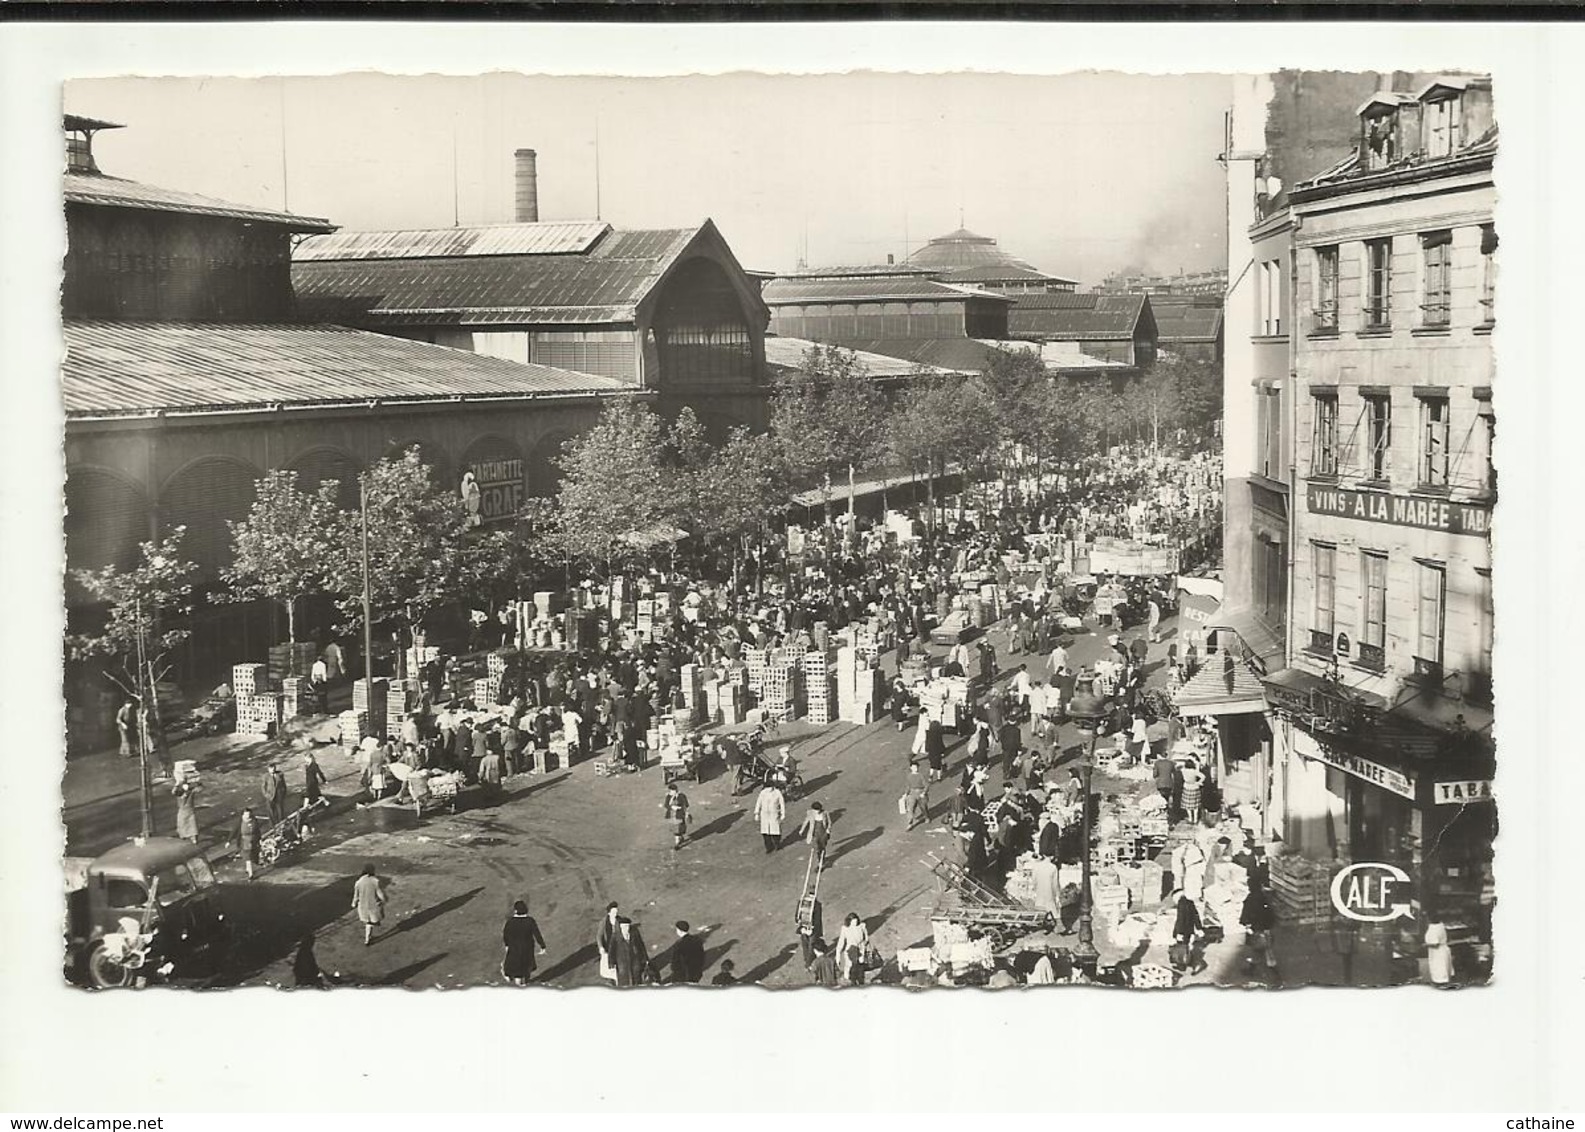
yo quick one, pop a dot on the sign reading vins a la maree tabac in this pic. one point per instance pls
(1425, 513)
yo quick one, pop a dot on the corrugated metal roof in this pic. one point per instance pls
(876, 290)
(961, 355)
(999, 273)
(788, 354)
(114, 192)
(600, 287)
(1187, 322)
(558, 237)
(1110, 317)
(80, 122)
(856, 271)
(126, 368)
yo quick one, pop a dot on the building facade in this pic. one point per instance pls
(1387, 703)
(189, 373)
(1359, 411)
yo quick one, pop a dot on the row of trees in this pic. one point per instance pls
(631, 483)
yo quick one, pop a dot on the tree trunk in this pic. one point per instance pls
(825, 492)
(930, 495)
(291, 624)
(853, 519)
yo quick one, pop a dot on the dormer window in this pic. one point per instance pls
(1381, 138)
(80, 152)
(80, 133)
(1441, 126)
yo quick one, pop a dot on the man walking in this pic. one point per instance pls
(687, 956)
(917, 795)
(770, 809)
(274, 791)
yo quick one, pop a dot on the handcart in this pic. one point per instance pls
(681, 760)
(428, 790)
(976, 905)
(286, 835)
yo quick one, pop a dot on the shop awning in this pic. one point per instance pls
(1261, 643)
(651, 537)
(1218, 690)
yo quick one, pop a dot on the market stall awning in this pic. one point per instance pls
(1260, 641)
(651, 537)
(1219, 690)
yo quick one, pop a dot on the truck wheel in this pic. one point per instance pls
(103, 971)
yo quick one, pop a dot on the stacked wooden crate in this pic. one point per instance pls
(258, 707)
(368, 700)
(819, 692)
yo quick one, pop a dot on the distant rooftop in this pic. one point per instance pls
(138, 368)
(115, 192)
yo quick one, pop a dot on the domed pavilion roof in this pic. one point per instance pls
(965, 249)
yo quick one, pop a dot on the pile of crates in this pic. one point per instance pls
(294, 698)
(258, 707)
(369, 702)
(780, 692)
(819, 692)
(352, 726)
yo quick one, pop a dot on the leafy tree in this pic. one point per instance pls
(742, 486)
(922, 431)
(613, 482)
(147, 612)
(285, 548)
(829, 417)
(416, 533)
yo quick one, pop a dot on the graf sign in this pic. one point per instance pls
(501, 489)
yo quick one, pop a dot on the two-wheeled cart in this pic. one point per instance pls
(973, 904)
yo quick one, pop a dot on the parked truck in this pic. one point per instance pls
(146, 910)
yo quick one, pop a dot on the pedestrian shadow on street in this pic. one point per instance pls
(276, 917)
(719, 825)
(435, 911)
(393, 978)
(768, 968)
(583, 956)
(854, 843)
(714, 955)
(813, 784)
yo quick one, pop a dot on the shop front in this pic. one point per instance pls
(1409, 799)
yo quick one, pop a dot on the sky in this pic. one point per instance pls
(1082, 175)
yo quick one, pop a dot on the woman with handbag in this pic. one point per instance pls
(521, 937)
(853, 949)
(1185, 930)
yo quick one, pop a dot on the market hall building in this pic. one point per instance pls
(186, 378)
(667, 311)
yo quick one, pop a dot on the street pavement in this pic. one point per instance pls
(569, 842)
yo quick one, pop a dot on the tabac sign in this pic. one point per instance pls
(1427, 514)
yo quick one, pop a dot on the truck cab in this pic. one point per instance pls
(147, 908)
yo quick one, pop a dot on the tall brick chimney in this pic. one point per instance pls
(527, 211)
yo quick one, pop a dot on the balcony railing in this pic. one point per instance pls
(1320, 642)
(1323, 320)
(1373, 657)
(1477, 687)
(1436, 313)
(1428, 671)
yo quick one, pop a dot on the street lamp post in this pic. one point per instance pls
(1087, 710)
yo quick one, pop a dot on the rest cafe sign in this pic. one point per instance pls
(1428, 514)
